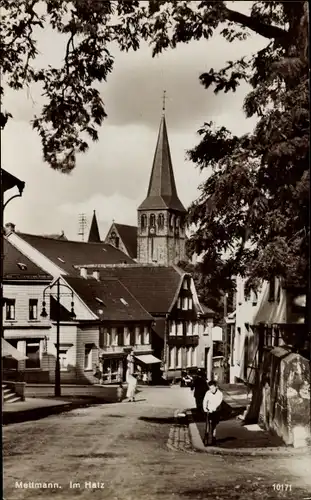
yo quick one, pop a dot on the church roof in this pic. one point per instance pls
(162, 193)
(94, 236)
(128, 235)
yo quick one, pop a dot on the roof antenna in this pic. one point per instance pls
(82, 225)
(163, 101)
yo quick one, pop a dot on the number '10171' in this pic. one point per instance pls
(282, 487)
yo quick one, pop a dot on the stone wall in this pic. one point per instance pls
(285, 406)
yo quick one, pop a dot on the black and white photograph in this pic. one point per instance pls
(155, 250)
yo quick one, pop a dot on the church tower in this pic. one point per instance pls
(161, 216)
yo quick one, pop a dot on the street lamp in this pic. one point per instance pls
(44, 315)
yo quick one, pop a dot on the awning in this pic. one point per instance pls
(148, 359)
(8, 351)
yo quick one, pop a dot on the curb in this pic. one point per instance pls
(198, 445)
(14, 417)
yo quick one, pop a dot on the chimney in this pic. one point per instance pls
(83, 272)
(9, 228)
(96, 275)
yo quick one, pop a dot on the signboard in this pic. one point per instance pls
(216, 333)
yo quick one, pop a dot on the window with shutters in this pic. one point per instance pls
(189, 328)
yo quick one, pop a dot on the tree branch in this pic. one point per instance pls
(255, 25)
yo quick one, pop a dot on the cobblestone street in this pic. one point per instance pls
(136, 451)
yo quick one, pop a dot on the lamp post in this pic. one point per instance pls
(57, 389)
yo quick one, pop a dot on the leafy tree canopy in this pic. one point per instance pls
(254, 206)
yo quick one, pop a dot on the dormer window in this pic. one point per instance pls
(22, 266)
(123, 301)
(152, 220)
(61, 260)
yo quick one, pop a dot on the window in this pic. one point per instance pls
(184, 302)
(33, 353)
(63, 361)
(196, 328)
(161, 221)
(146, 335)
(179, 303)
(114, 339)
(143, 221)
(178, 357)
(189, 357)
(22, 266)
(177, 221)
(120, 336)
(172, 221)
(179, 328)
(152, 220)
(88, 357)
(10, 309)
(189, 328)
(105, 337)
(189, 302)
(33, 309)
(172, 328)
(172, 357)
(137, 335)
(127, 336)
(272, 289)
(185, 284)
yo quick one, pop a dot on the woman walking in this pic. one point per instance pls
(131, 388)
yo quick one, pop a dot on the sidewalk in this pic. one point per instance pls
(36, 408)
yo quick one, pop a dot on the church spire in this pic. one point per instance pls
(94, 236)
(162, 193)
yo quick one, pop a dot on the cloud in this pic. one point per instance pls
(112, 177)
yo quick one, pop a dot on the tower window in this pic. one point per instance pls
(152, 220)
(161, 220)
(172, 220)
(143, 221)
(177, 221)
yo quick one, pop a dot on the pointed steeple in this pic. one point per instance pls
(162, 193)
(94, 236)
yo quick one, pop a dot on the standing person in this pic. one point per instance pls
(131, 388)
(211, 405)
(199, 386)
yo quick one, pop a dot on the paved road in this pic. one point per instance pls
(120, 451)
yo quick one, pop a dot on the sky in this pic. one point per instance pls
(112, 177)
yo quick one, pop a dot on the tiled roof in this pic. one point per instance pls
(128, 235)
(155, 287)
(18, 267)
(162, 193)
(110, 296)
(67, 254)
(207, 311)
